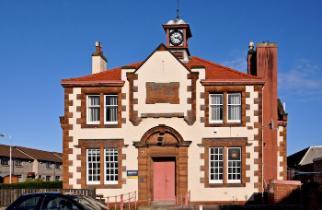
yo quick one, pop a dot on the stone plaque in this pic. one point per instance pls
(162, 92)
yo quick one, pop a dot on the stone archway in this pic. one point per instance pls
(161, 142)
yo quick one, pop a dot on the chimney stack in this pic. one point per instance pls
(266, 68)
(99, 62)
(251, 59)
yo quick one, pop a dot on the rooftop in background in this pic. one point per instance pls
(305, 156)
(30, 153)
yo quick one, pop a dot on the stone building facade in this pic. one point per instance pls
(175, 123)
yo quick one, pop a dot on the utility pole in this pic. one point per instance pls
(10, 155)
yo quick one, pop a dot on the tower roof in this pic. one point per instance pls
(177, 21)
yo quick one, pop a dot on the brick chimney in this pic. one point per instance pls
(99, 62)
(266, 68)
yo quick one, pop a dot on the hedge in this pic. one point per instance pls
(34, 185)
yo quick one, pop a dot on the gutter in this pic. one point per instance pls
(104, 83)
(207, 82)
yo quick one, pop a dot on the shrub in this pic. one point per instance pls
(35, 184)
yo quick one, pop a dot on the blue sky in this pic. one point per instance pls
(44, 41)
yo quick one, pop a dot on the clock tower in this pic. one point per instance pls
(177, 34)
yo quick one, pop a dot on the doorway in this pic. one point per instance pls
(164, 179)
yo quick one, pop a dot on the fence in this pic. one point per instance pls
(128, 201)
(183, 200)
(123, 201)
(7, 196)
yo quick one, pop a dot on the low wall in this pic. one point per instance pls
(283, 191)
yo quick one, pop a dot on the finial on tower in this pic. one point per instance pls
(178, 9)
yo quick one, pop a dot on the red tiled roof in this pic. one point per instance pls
(214, 72)
(5, 152)
(41, 155)
(112, 75)
(218, 72)
(29, 153)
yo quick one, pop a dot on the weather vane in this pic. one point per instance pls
(178, 5)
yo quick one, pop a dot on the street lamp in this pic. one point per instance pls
(10, 155)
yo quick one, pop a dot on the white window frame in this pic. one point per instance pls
(105, 107)
(114, 151)
(18, 163)
(87, 167)
(210, 109)
(48, 165)
(218, 181)
(227, 165)
(88, 106)
(240, 105)
(4, 161)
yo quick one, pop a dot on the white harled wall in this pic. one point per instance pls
(163, 67)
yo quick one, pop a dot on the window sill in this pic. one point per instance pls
(110, 123)
(227, 124)
(214, 185)
(114, 125)
(104, 186)
(93, 123)
(93, 184)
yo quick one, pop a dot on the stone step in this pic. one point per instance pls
(169, 207)
(165, 208)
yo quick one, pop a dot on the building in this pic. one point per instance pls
(175, 123)
(28, 163)
(306, 165)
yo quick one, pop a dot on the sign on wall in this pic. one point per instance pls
(132, 174)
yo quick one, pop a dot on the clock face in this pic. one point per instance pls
(176, 38)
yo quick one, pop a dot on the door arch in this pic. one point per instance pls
(161, 142)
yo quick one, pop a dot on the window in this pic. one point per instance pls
(57, 178)
(48, 165)
(93, 109)
(216, 164)
(225, 107)
(232, 162)
(99, 106)
(102, 162)
(57, 166)
(4, 161)
(55, 202)
(93, 166)
(234, 165)
(225, 162)
(216, 108)
(27, 202)
(110, 109)
(18, 163)
(47, 178)
(234, 107)
(111, 165)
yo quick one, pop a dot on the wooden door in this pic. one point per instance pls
(164, 180)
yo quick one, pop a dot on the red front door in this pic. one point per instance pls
(163, 180)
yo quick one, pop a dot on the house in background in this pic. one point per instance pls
(29, 163)
(175, 123)
(306, 165)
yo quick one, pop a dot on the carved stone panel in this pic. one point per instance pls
(162, 93)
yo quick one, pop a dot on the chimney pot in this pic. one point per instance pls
(251, 59)
(251, 45)
(99, 62)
